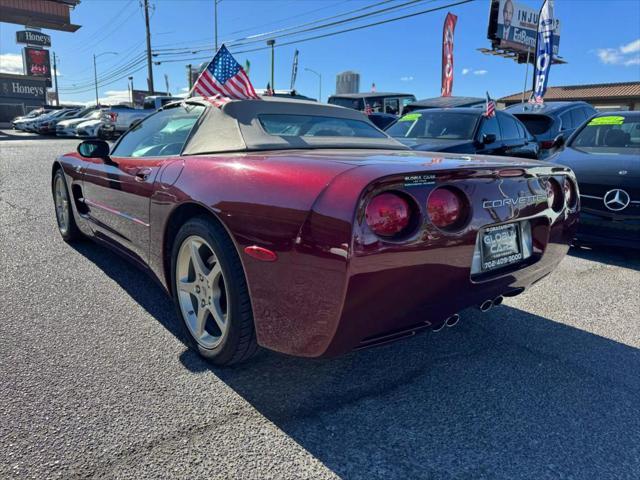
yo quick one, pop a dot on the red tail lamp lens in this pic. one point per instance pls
(387, 214)
(554, 194)
(570, 193)
(446, 208)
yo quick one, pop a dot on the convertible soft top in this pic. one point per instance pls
(236, 127)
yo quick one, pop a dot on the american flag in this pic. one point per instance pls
(224, 80)
(491, 107)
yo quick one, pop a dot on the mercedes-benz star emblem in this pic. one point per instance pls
(616, 200)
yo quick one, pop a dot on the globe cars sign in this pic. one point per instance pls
(30, 37)
(514, 26)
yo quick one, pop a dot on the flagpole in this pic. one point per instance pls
(526, 74)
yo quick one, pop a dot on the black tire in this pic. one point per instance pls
(239, 343)
(71, 233)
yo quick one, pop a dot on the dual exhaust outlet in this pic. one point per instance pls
(488, 304)
(485, 306)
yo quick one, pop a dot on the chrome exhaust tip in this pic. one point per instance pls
(498, 300)
(486, 305)
(452, 320)
(439, 327)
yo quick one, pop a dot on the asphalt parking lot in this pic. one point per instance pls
(97, 383)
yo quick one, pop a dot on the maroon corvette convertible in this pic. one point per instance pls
(302, 228)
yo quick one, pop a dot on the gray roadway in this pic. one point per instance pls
(96, 382)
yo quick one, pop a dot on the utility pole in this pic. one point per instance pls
(166, 82)
(149, 63)
(215, 20)
(95, 77)
(272, 43)
(55, 79)
(131, 91)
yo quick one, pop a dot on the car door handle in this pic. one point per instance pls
(142, 174)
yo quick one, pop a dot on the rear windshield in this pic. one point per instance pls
(438, 125)
(609, 134)
(316, 126)
(355, 103)
(536, 124)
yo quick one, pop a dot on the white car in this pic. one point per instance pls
(90, 128)
(67, 128)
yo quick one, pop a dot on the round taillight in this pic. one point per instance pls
(570, 193)
(387, 214)
(554, 194)
(446, 208)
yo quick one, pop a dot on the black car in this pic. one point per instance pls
(549, 120)
(382, 120)
(605, 155)
(464, 130)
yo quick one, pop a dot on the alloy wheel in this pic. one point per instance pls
(61, 199)
(202, 293)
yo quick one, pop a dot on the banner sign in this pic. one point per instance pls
(294, 70)
(447, 54)
(544, 52)
(30, 37)
(22, 87)
(36, 62)
(515, 25)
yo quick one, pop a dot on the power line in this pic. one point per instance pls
(330, 34)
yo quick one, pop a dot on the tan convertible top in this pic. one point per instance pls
(236, 127)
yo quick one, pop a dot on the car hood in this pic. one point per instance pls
(432, 144)
(89, 123)
(598, 167)
(72, 122)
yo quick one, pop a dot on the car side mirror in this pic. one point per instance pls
(488, 138)
(559, 141)
(94, 149)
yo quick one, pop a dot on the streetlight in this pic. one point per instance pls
(320, 80)
(95, 70)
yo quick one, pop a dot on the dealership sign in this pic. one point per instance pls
(514, 26)
(544, 54)
(21, 88)
(29, 37)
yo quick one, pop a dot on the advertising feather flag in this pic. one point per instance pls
(544, 52)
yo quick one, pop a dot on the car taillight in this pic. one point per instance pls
(446, 207)
(570, 193)
(554, 194)
(547, 144)
(387, 214)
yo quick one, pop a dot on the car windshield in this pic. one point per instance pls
(435, 125)
(615, 134)
(536, 124)
(315, 126)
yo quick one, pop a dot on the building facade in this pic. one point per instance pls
(603, 96)
(347, 82)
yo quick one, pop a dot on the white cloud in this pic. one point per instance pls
(113, 97)
(465, 71)
(408, 78)
(184, 89)
(631, 47)
(480, 72)
(11, 63)
(626, 55)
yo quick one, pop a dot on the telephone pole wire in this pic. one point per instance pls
(149, 62)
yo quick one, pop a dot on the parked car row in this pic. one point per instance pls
(91, 122)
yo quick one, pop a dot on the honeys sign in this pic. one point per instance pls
(30, 37)
(12, 86)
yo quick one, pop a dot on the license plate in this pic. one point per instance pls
(501, 246)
